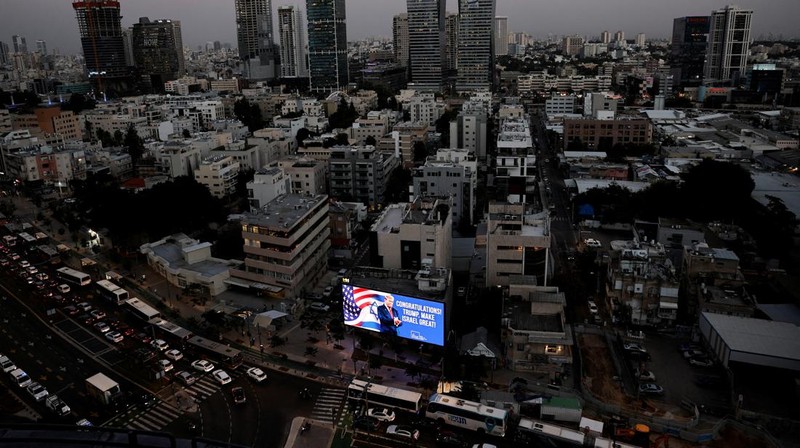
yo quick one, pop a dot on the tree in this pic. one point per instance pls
(186, 133)
(716, 190)
(302, 135)
(248, 114)
(420, 151)
(135, 145)
(342, 139)
(370, 141)
(77, 103)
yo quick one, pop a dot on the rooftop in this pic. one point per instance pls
(399, 281)
(285, 211)
(757, 336)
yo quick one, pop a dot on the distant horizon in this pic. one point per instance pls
(214, 20)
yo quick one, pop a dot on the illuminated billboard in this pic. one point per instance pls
(408, 317)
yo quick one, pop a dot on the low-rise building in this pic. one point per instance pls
(305, 176)
(447, 180)
(219, 175)
(517, 244)
(267, 185)
(597, 134)
(360, 173)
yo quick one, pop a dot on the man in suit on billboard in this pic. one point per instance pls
(389, 316)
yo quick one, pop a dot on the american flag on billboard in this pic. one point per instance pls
(359, 307)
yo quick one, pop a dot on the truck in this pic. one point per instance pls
(103, 388)
(57, 405)
(561, 409)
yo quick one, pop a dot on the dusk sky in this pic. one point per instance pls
(209, 20)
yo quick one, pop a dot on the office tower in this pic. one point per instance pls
(475, 45)
(4, 56)
(293, 44)
(688, 49)
(41, 47)
(20, 45)
(327, 44)
(99, 24)
(158, 52)
(728, 43)
(640, 40)
(127, 45)
(426, 43)
(500, 36)
(450, 42)
(217, 45)
(619, 36)
(605, 37)
(400, 39)
(254, 37)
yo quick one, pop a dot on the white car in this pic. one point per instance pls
(165, 365)
(114, 336)
(633, 347)
(382, 414)
(593, 307)
(174, 354)
(591, 242)
(319, 306)
(405, 432)
(159, 344)
(222, 376)
(7, 364)
(644, 375)
(256, 374)
(38, 391)
(202, 365)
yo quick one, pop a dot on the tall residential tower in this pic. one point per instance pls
(99, 24)
(293, 43)
(475, 45)
(157, 52)
(500, 36)
(400, 38)
(327, 44)
(426, 42)
(254, 37)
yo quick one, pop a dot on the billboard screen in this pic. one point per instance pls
(408, 317)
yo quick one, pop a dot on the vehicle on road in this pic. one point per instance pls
(114, 336)
(203, 365)
(98, 314)
(591, 242)
(20, 378)
(57, 405)
(449, 439)
(689, 354)
(102, 327)
(256, 374)
(366, 422)
(380, 395)
(454, 411)
(174, 354)
(644, 375)
(593, 307)
(7, 364)
(402, 432)
(37, 391)
(701, 362)
(651, 388)
(238, 395)
(633, 347)
(326, 293)
(319, 306)
(159, 344)
(382, 414)
(165, 365)
(186, 377)
(222, 377)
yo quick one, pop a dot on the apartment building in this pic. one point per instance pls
(219, 175)
(598, 134)
(305, 176)
(267, 185)
(517, 245)
(360, 173)
(448, 180)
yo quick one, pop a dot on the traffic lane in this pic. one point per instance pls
(216, 419)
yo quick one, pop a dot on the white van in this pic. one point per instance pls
(63, 288)
(20, 378)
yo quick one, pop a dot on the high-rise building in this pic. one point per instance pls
(728, 43)
(400, 38)
(475, 45)
(426, 43)
(100, 27)
(500, 36)
(572, 45)
(4, 56)
(327, 44)
(605, 37)
(254, 37)
(450, 42)
(127, 45)
(640, 40)
(293, 43)
(41, 47)
(20, 46)
(158, 52)
(619, 36)
(688, 49)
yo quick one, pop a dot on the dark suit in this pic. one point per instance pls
(387, 319)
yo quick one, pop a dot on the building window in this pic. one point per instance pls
(520, 347)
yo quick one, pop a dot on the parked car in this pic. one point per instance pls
(222, 377)
(186, 377)
(238, 395)
(449, 439)
(593, 307)
(650, 388)
(7, 364)
(382, 414)
(366, 422)
(689, 354)
(644, 375)
(319, 306)
(38, 391)
(174, 354)
(404, 432)
(327, 291)
(701, 362)
(202, 365)
(84, 306)
(633, 347)
(256, 374)
(591, 242)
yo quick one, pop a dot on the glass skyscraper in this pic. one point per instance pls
(475, 45)
(426, 41)
(327, 44)
(254, 37)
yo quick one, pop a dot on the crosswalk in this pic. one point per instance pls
(154, 418)
(328, 405)
(205, 386)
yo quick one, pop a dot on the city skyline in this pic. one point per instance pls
(213, 20)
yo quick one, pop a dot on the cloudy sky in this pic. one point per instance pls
(209, 20)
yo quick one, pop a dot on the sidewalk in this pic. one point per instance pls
(318, 435)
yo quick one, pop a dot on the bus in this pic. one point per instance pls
(391, 397)
(231, 357)
(142, 310)
(10, 240)
(111, 292)
(466, 414)
(72, 276)
(27, 239)
(171, 332)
